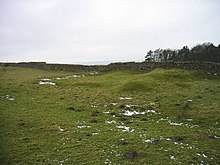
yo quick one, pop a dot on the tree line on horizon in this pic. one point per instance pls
(201, 52)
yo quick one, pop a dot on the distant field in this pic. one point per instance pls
(124, 117)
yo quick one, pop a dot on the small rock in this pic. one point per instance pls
(71, 108)
(123, 142)
(95, 113)
(93, 121)
(131, 154)
(176, 138)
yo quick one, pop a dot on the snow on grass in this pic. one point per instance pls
(125, 128)
(172, 157)
(131, 113)
(125, 98)
(8, 97)
(61, 129)
(111, 122)
(175, 124)
(83, 126)
(46, 83)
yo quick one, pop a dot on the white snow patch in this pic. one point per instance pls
(163, 119)
(125, 98)
(45, 79)
(46, 83)
(152, 103)
(175, 124)
(73, 76)
(130, 105)
(83, 126)
(148, 141)
(172, 157)
(205, 156)
(130, 113)
(125, 128)
(110, 122)
(94, 73)
(7, 97)
(61, 129)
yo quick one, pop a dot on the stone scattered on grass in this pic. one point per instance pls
(176, 138)
(93, 121)
(21, 124)
(123, 142)
(71, 108)
(95, 113)
(131, 154)
(74, 109)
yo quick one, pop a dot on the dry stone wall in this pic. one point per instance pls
(207, 67)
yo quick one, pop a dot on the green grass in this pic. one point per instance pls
(76, 121)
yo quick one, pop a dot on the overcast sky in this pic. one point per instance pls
(79, 31)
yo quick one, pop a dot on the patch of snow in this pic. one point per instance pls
(107, 112)
(125, 98)
(45, 79)
(46, 83)
(125, 128)
(114, 103)
(130, 105)
(95, 133)
(83, 126)
(175, 124)
(110, 122)
(61, 129)
(107, 161)
(12, 99)
(172, 157)
(73, 76)
(130, 113)
(205, 156)
(94, 73)
(163, 119)
(7, 97)
(189, 119)
(148, 141)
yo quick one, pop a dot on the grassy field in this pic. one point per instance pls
(123, 117)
